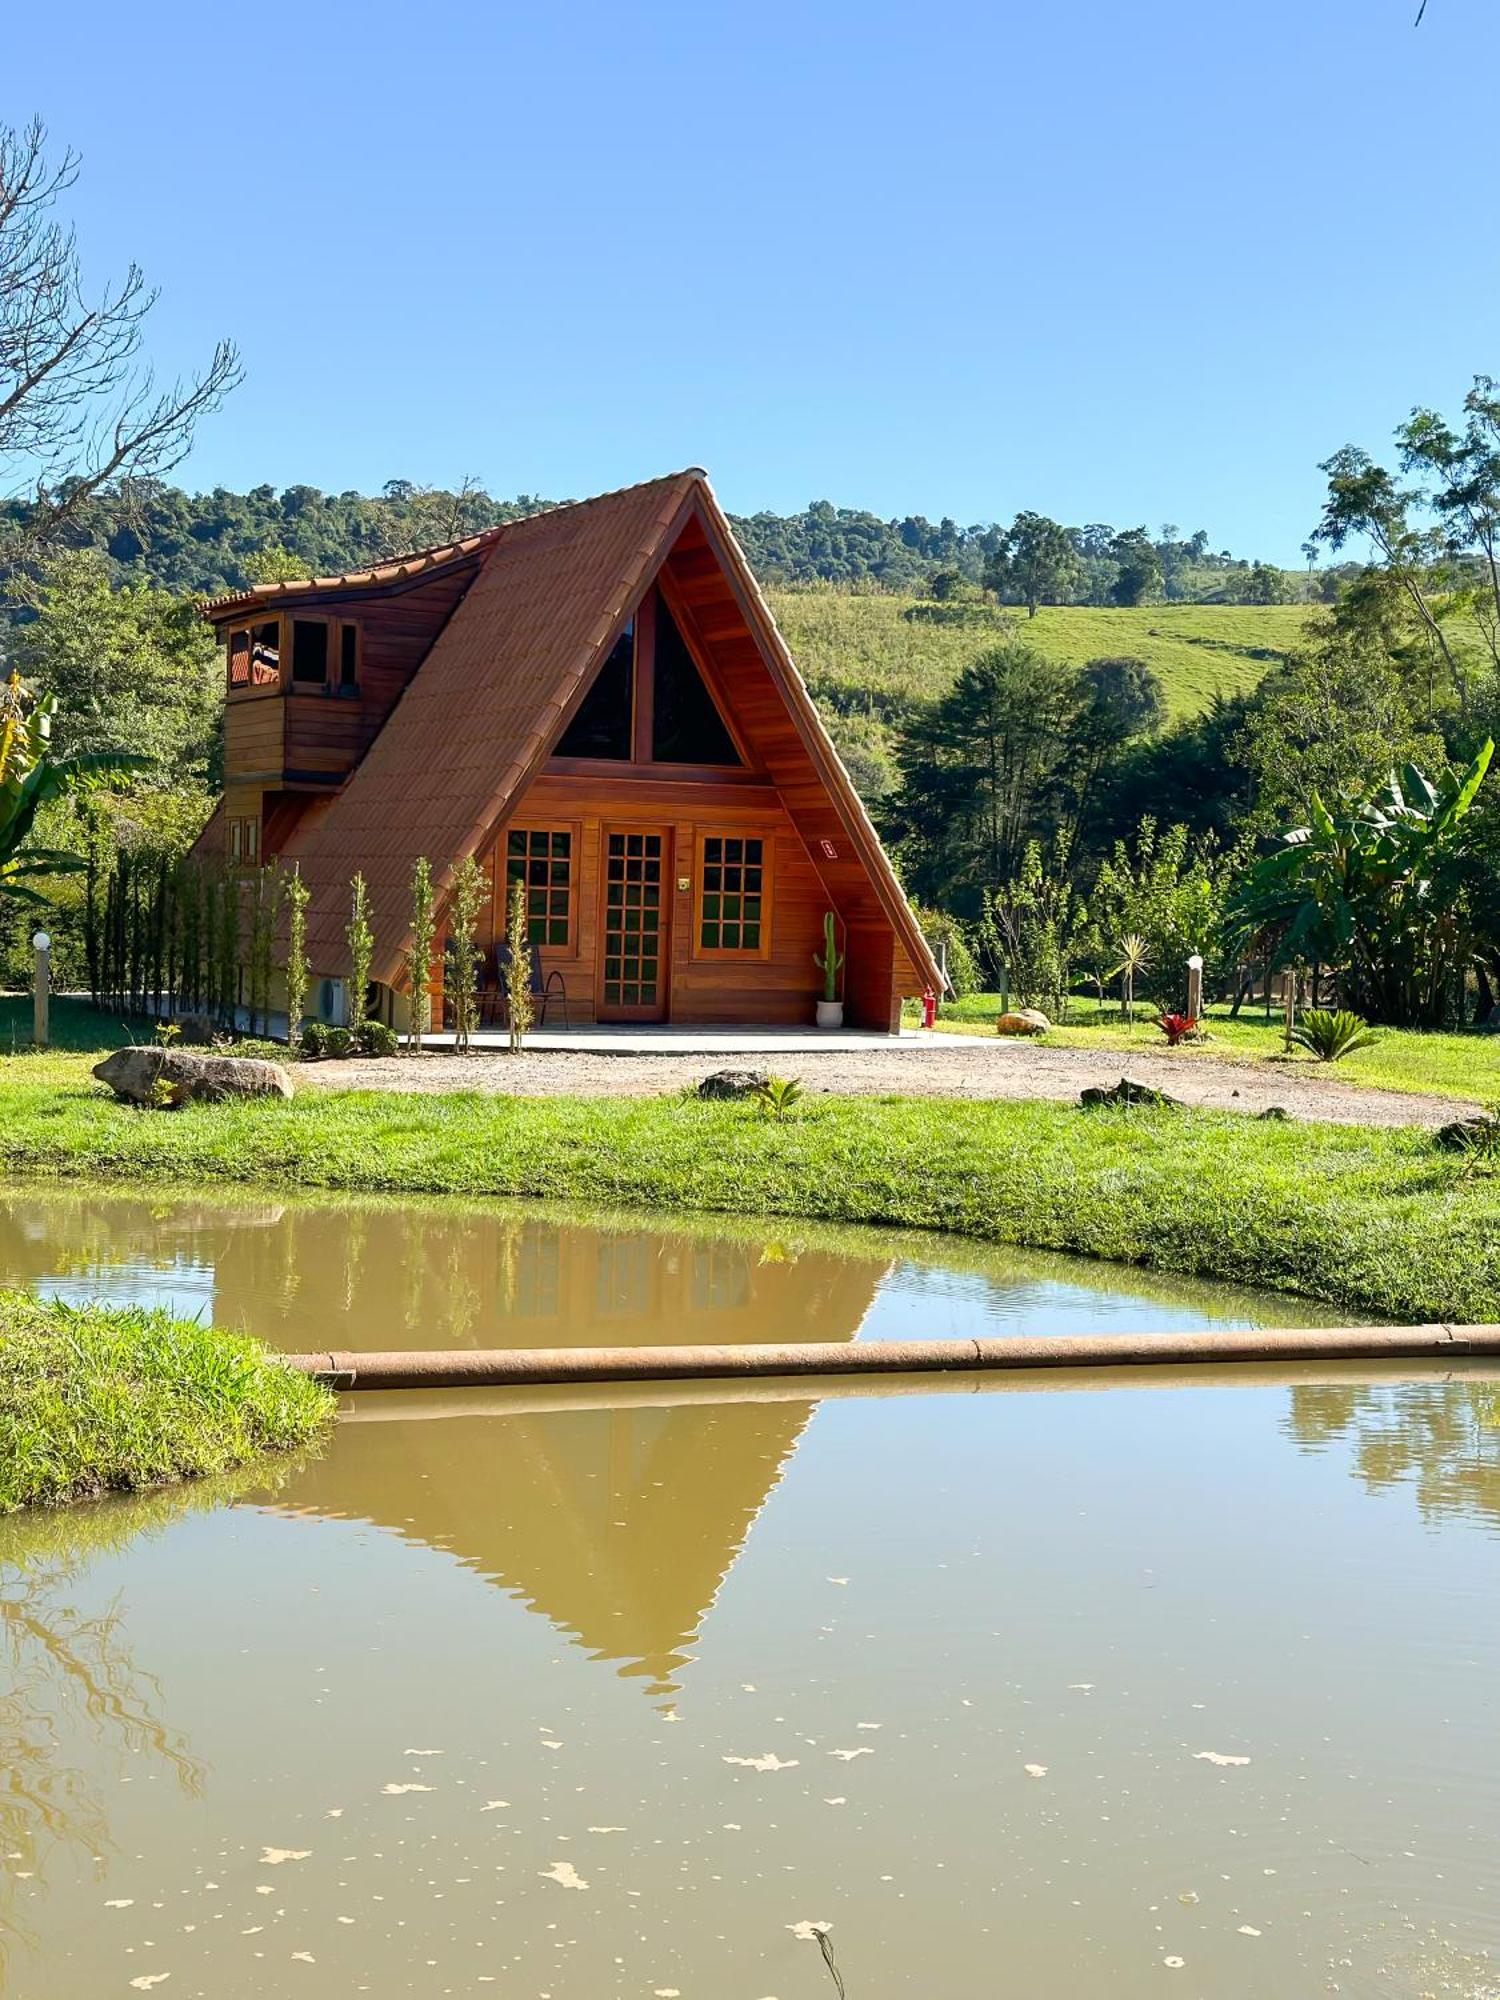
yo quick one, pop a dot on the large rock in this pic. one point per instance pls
(168, 1077)
(733, 1083)
(1023, 1021)
(1129, 1090)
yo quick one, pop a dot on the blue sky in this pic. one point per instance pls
(1115, 263)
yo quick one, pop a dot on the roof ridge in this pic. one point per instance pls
(413, 561)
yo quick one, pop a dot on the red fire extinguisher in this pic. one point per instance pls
(929, 1008)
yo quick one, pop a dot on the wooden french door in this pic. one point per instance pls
(636, 929)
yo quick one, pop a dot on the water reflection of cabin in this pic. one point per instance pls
(597, 702)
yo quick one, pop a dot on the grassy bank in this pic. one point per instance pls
(94, 1399)
(1445, 1063)
(1377, 1221)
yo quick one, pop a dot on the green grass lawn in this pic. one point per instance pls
(95, 1399)
(1443, 1064)
(853, 643)
(1377, 1221)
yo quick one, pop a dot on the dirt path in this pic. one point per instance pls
(967, 1069)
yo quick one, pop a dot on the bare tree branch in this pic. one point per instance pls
(79, 410)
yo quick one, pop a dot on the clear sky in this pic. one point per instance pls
(1130, 263)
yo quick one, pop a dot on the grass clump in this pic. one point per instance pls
(96, 1399)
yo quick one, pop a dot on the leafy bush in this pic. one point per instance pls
(319, 1040)
(374, 1038)
(939, 929)
(1330, 1034)
(313, 1041)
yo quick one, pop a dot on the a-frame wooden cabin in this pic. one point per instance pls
(595, 699)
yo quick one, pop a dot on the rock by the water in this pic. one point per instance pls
(733, 1083)
(169, 1077)
(1129, 1090)
(1023, 1021)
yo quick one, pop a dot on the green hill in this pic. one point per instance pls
(866, 653)
(869, 656)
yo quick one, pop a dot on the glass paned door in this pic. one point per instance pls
(635, 928)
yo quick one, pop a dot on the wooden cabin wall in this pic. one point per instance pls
(328, 733)
(778, 988)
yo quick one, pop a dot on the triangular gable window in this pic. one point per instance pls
(686, 726)
(604, 722)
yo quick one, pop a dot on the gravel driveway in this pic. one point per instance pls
(958, 1068)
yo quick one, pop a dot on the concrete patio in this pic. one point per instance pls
(744, 1044)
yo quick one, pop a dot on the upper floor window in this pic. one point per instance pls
(605, 723)
(310, 651)
(255, 654)
(649, 701)
(321, 652)
(686, 726)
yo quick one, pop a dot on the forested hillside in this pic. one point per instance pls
(208, 543)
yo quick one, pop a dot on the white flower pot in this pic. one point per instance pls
(830, 1013)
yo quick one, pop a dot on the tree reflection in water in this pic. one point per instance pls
(1440, 1438)
(67, 1677)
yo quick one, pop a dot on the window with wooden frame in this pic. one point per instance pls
(541, 858)
(244, 841)
(734, 894)
(255, 655)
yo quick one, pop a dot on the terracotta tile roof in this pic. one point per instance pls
(483, 709)
(399, 569)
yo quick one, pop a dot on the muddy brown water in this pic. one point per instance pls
(1124, 1689)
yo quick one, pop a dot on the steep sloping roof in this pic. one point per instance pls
(483, 711)
(484, 708)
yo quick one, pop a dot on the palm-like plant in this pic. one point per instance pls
(30, 778)
(1135, 956)
(1329, 1034)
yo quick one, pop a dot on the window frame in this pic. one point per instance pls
(243, 842)
(713, 953)
(252, 689)
(574, 831)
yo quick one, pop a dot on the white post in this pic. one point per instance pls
(1195, 987)
(41, 984)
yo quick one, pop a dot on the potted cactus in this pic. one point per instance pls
(830, 962)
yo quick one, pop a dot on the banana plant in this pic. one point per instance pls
(30, 778)
(1376, 889)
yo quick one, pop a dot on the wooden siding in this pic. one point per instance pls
(777, 986)
(310, 737)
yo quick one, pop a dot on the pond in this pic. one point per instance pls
(1120, 1688)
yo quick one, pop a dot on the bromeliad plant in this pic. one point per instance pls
(1177, 1027)
(30, 778)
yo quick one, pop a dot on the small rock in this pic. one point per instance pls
(1277, 1113)
(732, 1083)
(1129, 1090)
(1023, 1021)
(167, 1078)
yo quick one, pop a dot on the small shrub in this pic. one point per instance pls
(313, 1041)
(777, 1095)
(374, 1038)
(1177, 1027)
(338, 1042)
(1330, 1035)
